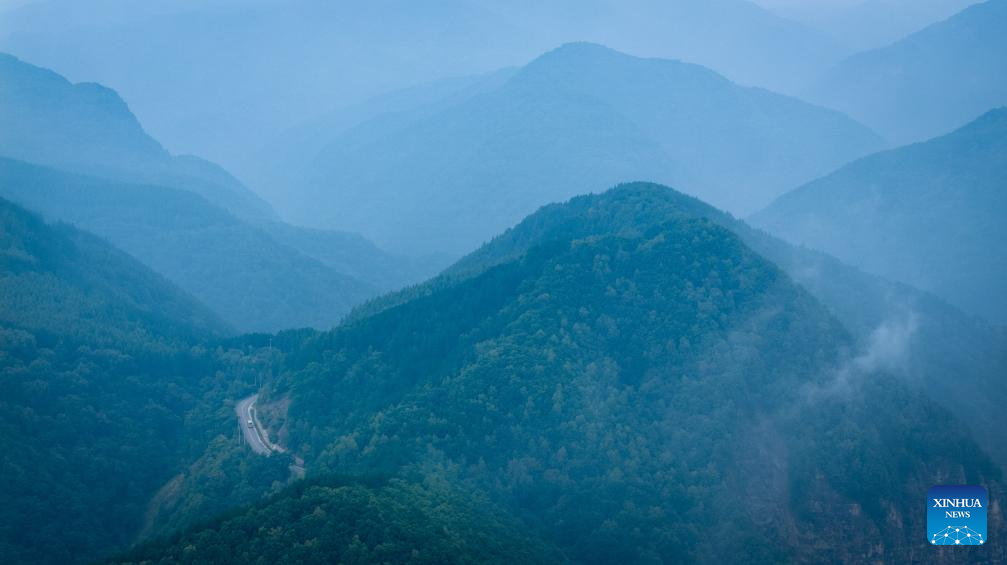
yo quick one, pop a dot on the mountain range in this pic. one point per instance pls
(186, 218)
(736, 38)
(446, 177)
(614, 371)
(927, 84)
(867, 24)
(203, 249)
(211, 102)
(610, 371)
(88, 128)
(530, 401)
(929, 214)
(878, 23)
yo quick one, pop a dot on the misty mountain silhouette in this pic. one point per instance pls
(929, 214)
(320, 54)
(88, 128)
(929, 83)
(581, 117)
(186, 218)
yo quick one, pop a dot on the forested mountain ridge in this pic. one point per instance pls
(200, 247)
(929, 214)
(388, 281)
(581, 117)
(608, 383)
(362, 520)
(929, 83)
(88, 128)
(102, 364)
(60, 281)
(927, 338)
(188, 219)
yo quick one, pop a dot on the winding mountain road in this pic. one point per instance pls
(258, 438)
(250, 426)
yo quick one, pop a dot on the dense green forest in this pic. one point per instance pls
(92, 433)
(618, 377)
(479, 326)
(938, 340)
(109, 385)
(355, 521)
(617, 382)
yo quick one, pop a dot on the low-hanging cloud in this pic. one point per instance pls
(887, 349)
(888, 345)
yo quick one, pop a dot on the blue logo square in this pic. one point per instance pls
(956, 515)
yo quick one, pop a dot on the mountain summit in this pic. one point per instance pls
(88, 128)
(637, 386)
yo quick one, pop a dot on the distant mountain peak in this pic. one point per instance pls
(577, 55)
(581, 117)
(594, 57)
(43, 115)
(88, 128)
(582, 48)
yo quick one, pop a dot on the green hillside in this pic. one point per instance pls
(101, 361)
(618, 382)
(465, 282)
(913, 333)
(355, 521)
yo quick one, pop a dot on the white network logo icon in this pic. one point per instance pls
(957, 536)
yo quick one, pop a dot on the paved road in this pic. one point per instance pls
(258, 439)
(246, 414)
